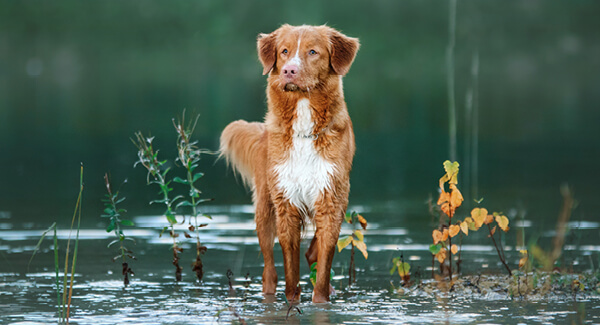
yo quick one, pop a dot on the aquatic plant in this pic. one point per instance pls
(442, 247)
(115, 224)
(63, 298)
(157, 174)
(189, 157)
(356, 239)
(403, 268)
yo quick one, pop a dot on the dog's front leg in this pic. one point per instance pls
(265, 229)
(289, 224)
(328, 220)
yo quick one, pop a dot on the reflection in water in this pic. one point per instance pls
(154, 297)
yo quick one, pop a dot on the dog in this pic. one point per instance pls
(298, 161)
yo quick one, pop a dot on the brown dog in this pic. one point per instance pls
(298, 161)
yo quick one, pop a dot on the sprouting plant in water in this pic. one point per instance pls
(63, 301)
(356, 239)
(148, 158)
(115, 223)
(442, 247)
(403, 268)
(189, 157)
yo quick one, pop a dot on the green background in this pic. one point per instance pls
(78, 78)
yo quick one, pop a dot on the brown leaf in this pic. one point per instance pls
(488, 219)
(362, 221)
(493, 231)
(186, 235)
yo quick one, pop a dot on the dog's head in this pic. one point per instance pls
(301, 57)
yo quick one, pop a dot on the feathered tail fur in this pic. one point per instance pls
(243, 147)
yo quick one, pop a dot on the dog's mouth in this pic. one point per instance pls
(291, 87)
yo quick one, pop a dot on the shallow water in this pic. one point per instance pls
(154, 298)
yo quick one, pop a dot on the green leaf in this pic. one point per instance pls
(434, 249)
(197, 176)
(113, 242)
(119, 200)
(126, 222)
(111, 225)
(393, 269)
(170, 217)
(348, 217)
(206, 215)
(180, 180)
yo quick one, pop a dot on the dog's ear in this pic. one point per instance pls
(267, 51)
(343, 51)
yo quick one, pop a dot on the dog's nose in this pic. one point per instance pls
(290, 70)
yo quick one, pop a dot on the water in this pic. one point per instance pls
(154, 298)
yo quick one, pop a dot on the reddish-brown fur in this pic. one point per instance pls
(254, 149)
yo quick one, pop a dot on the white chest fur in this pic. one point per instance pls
(304, 174)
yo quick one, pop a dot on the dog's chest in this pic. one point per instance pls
(304, 174)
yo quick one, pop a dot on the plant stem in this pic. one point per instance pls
(498, 251)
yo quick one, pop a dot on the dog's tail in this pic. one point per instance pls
(242, 147)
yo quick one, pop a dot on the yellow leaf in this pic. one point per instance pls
(444, 197)
(523, 251)
(362, 221)
(464, 226)
(441, 255)
(454, 230)
(522, 261)
(451, 169)
(454, 249)
(456, 197)
(502, 221)
(342, 243)
(445, 235)
(359, 235)
(443, 180)
(479, 215)
(361, 247)
(437, 236)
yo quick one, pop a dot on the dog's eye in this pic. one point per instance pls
(312, 52)
(285, 51)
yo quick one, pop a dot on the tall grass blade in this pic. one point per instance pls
(74, 262)
(56, 268)
(37, 247)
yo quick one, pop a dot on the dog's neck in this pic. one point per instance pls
(326, 101)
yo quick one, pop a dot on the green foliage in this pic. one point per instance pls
(115, 224)
(356, 239)
(189, 157)
(148, 158)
